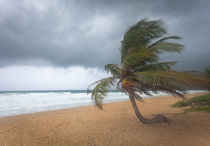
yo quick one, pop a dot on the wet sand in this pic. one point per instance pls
(115, 125)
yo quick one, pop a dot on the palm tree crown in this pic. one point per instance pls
(140, 71)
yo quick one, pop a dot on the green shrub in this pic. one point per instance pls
(198, 103)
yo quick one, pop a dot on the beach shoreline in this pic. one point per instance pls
(25, 102)
(115, 125)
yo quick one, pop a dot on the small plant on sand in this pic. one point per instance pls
(140, 72)
(198, 103)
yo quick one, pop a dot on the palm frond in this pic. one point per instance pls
(180, 81)
(138, 57)
(163, 66)
(141, 34)
(113, 69)
(101, 89)
(138, 97)
(164, 39)
(175, 83)
(166, 47)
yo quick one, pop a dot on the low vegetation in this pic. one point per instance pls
(198, 103)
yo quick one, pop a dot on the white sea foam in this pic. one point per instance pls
(13, 103)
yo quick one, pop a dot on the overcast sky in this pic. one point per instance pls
(64, 44)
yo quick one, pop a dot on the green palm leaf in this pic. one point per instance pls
(101, 89)
(138, 57)
(171, 79)
(166, 38)
(164, 66)
(113, 69)
(166, 47)
(141, 34)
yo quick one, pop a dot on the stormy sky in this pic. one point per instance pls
(64, 44)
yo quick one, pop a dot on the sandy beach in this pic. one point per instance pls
(115, 125)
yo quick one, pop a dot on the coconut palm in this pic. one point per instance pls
(139, 72)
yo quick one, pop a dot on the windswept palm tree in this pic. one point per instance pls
(139, 71)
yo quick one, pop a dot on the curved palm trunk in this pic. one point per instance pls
(157, 119)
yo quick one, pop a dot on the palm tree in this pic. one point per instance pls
(139, 71)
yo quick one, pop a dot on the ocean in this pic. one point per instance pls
(21, 102)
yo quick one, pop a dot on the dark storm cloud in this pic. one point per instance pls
(88, 32)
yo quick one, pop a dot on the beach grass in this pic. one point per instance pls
(197, 103)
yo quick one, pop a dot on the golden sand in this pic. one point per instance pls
(116, 125)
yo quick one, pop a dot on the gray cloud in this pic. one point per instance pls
(88, 32)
